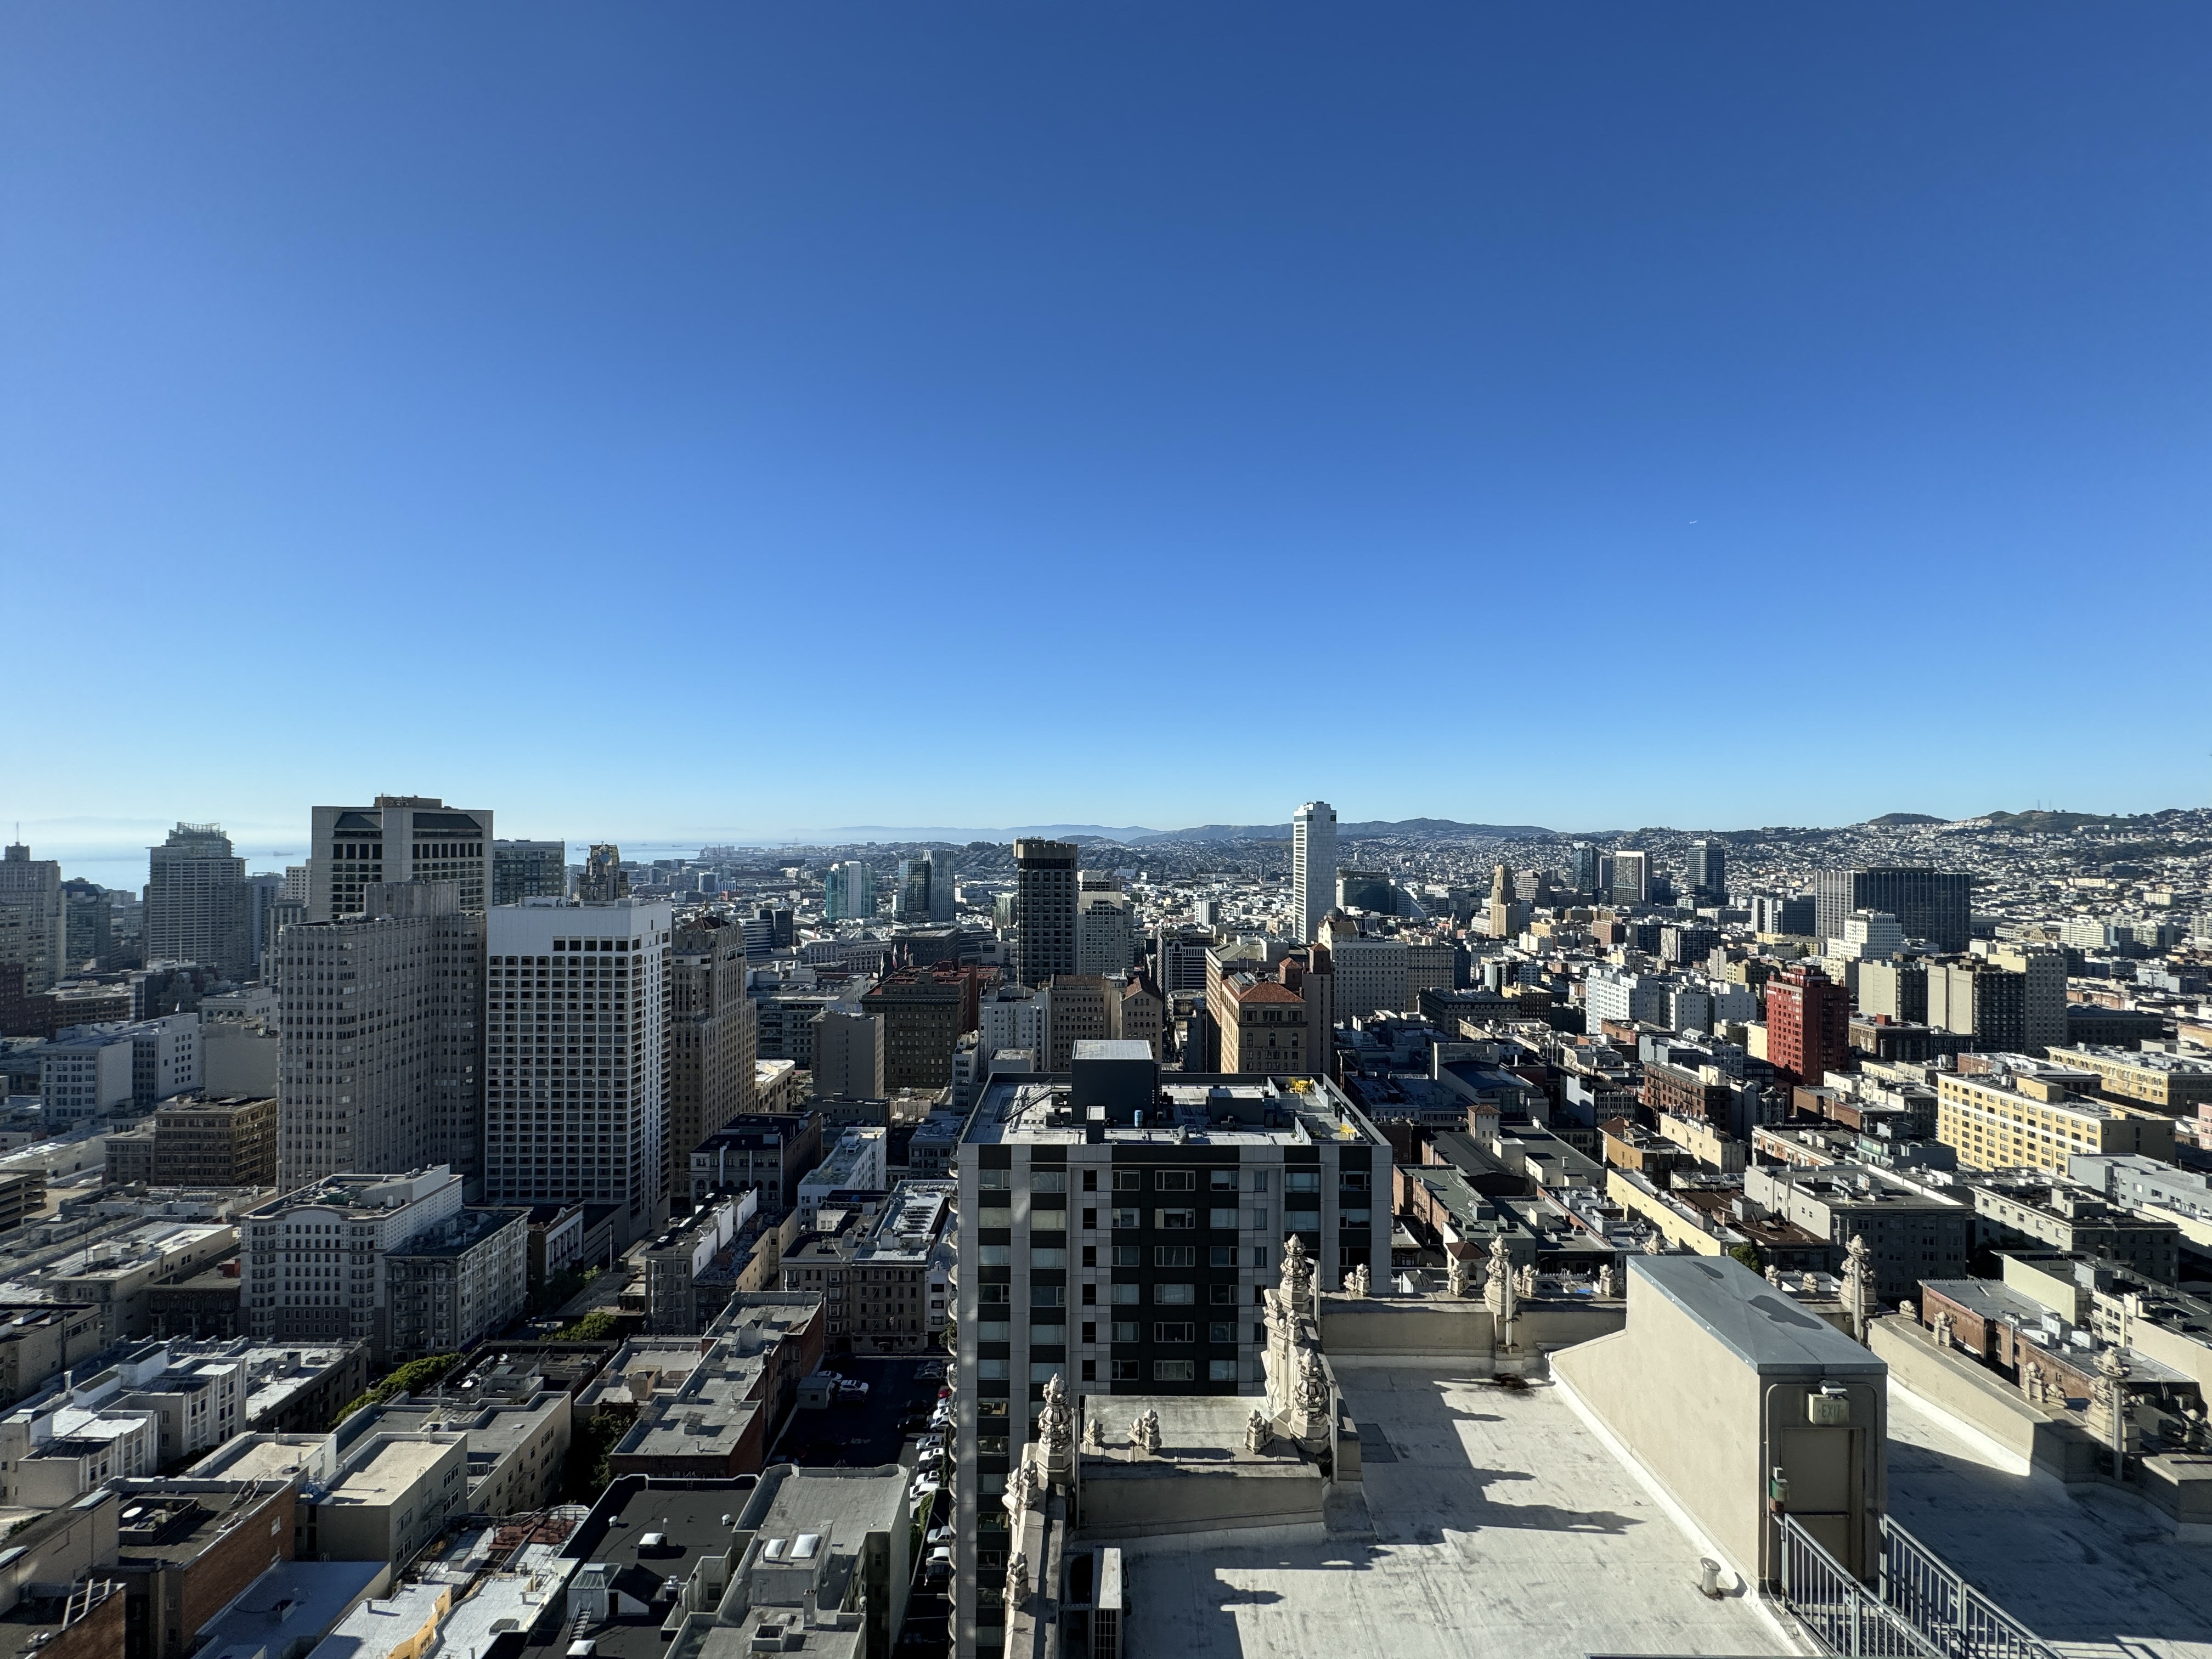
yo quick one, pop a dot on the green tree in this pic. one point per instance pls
(600, 1327)
(1748, 1254)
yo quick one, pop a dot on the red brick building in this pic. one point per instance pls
(1809, 1019)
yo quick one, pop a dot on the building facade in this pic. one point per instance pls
(400, 838)
(1044, 910)
(197, 905)
(577, 1025)
(1313, 868)
(1935, 905)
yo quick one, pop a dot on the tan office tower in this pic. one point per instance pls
(1044, 910)
(1313, 866)
(714, 1039)
(379, 1070)
(32, 930)
(401, 838)
(197, 905)
(576, 1108)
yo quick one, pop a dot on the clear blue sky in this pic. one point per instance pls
(688, 421)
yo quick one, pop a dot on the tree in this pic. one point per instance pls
(600, 1327)
(1748, 1254)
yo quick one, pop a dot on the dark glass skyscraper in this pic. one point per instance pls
(1935, 905)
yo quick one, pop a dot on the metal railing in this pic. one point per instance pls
(1921, 1588)
(1844, 1615)
(1923, 1609)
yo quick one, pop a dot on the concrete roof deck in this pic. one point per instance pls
(1501, 1525)
(2089, 1569)
(1765, 1328)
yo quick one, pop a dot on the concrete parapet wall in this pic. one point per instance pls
(1983, 1401)
(1151, 1497)
(1427, 1328)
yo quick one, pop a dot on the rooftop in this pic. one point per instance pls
(394, 1466)
(1767, 1329)
(1205, 1109)
(1501, 1525)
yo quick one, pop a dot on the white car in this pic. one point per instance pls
(852, 1387)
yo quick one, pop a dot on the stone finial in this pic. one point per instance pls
(1312, 1384)
(1259, 1433)
(1945, 1327)
(1774, 1276)
(1056, 1421)
(1498, 1280)
(1018, 1581)
(1858, 1284)
(1909, 1310)
(1524, 1282)
(1298, 1275)
(1144, 1432)
(1094, 1435)
(1458, 1277)
(1608, 1281)
(1356, 1282)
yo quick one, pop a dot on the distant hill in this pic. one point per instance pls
(2048, 822)
(1893, 820)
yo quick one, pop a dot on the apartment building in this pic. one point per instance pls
(771, 1152)
(1910, 1234)
(713, 1041)
(2025, 1113)
(454, 1284)
(1118, 1226)
(924, 1011)
(2164, 1081)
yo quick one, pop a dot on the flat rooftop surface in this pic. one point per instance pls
(1764, 1328)
(1502, 1526)
(2087, 1568)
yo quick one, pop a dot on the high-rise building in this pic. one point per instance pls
(1935, 905)
(529, 869)
(713, 1040)
(1508, 914)
(1630, 881)
(401, 838)
(265, 892)
(849, 891)
(88, 926)
(1794, 916)
(1313, 866)
(1366, 890)
(33, 919)
(1131, 1262)
(577, 1027)
(849, 1054)
(198, 906)
(603, 880)
(381, 1014)
(910, 899)
(1868, 936)
(1044, 910)
(1584, 878)
(2042, 968)
(1707, 872)
(1105, 932)
(1809, 1019)
(941, 879)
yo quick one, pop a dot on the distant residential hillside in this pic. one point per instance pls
(1894, 820)
(1371, 830)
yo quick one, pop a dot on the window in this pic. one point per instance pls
(1224, 1219)
(995, 1293)
(1127, 1296)
(1221, 1370)
(1128, 1255)
(1090, 1370)
(1090, 1296)
(1089, 1255)
(1126, 1220)
(1302, 1180)
(1174, 1181)
(1221, 1180)
(1175, 1333)
(1125, 1370)
(1048, 1181)
(994, 1177)
(1221, 1256)
(1056, 1258)
(1090, 1181)
(1221, 1296)
(1355, 1218)
(1045, 1371)
(991, 1445)
(991, 1370)
(1259, 1255)
(1125, 1330)
(1175, 1370)
(994, 1255)
(1221, 1330)
(1353, 1181)
(1047, 1296)
(1259, 1181)
(1128, 1181)
(1174, 1296)
(1174, 1256)
(993, 1330)
(1054, 1336)
(1089, 1331)
(1175, 1221)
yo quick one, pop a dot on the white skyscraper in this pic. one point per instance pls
(576, 1021)
(1313, 865)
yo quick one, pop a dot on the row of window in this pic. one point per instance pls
(1170, 1180)
(1124, 1370)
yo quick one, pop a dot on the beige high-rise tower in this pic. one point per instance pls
(1313, 866)
(400, 838)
